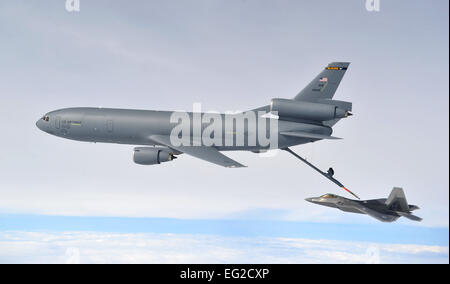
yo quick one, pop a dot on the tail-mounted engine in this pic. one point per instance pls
(308, 110)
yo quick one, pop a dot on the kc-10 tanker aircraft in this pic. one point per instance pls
(308, 117)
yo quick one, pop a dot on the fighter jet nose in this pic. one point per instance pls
(309, 199)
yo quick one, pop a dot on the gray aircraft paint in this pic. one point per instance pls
(385, 210)
(153, 128)
(136, 126)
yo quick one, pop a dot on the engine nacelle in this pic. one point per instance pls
(152, 156)
(307, 110)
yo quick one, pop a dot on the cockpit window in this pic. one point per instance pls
(328, 196)
(46, 118)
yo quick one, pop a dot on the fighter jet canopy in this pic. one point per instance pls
(328, 195)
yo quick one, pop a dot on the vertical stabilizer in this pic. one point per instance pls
(397, 200)
(325, 84)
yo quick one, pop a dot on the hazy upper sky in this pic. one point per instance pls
(228, 55)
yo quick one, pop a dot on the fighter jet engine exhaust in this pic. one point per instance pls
(152, 155)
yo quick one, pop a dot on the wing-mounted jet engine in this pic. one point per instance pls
(152, 155)
(308, 117)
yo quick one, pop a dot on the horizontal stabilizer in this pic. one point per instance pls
(301, 134)
(410, 216)
(413, 207)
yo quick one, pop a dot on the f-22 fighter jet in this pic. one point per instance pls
(385, 210)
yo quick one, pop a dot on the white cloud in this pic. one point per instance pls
(93, 247)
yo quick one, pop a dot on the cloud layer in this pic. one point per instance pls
(94, 247)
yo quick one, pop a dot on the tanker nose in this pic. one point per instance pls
(43, 123)
(39, 124)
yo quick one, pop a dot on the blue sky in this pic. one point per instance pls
(382, 233)
(228, 55)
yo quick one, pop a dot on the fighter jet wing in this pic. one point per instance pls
(377, 215)
(209, 154)
(409, 216)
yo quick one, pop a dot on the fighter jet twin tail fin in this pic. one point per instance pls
(397, 202)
